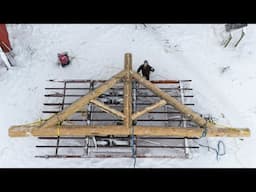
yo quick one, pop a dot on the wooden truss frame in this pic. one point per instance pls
(53, 126)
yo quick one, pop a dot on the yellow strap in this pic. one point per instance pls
(58, 130)
(58, 126)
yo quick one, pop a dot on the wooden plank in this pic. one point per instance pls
(172, 101)
(148, 109)
(81, 102)
(107, 108)
(72, 130)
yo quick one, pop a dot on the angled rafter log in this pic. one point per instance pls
(107, 108)
(172, 101)
(81, 102)
(72, 130)
(148, 109)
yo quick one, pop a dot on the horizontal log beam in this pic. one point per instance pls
(107, 108)
(64, 130)
(75, 130)
(148, 109)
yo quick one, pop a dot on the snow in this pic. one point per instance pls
(4, 59)
(176, 51)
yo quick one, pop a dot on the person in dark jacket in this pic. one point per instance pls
(145, 68)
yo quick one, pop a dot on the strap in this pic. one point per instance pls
(58, 128)
(205, 129)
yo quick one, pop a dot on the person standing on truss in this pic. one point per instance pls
(146, 69)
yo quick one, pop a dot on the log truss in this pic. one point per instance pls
(53, 126)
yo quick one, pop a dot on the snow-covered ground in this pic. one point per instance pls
(183, 51)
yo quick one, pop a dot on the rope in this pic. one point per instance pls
(217, 151)
(132, 146)
(204, 132)
(205, 129)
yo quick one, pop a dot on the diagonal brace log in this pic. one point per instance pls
(107, 108)
(148, 109)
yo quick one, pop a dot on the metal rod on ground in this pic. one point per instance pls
(103, 81)
(109, 147)
(92, 108)
(187, 152)
(102, 156)
(134, 108)
(89, 117)
(165, 112)
(101, 137)
(167, 115)
(62, 107)
(134, 95)
(105, 95)
(86, 88)
(57, 104)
